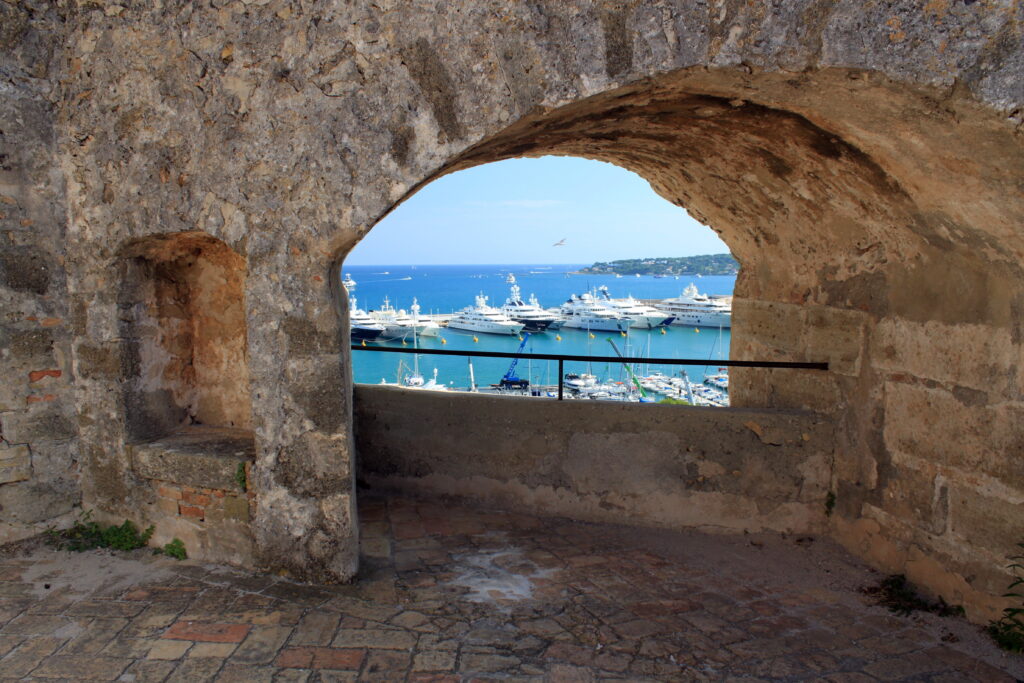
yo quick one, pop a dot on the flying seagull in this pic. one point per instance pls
(559, 243)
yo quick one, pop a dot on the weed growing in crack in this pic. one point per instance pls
(1008, 632)
(87, 535)
(900, 597)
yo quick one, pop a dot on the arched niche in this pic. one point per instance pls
(182, 320)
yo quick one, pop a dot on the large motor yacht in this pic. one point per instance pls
(693, 309)
(401, 325)
(483, 318)
(531, 315)
(644, 317)
(587, 313)
(363, 327)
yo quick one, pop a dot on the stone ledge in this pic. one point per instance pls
(200, 456)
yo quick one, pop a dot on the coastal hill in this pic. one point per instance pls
(707, 264)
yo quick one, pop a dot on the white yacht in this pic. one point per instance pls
(644, 317)
(363, 327)
(401, 325)
(531, 315)
(587, 313)
(692, 309)
(483, 318)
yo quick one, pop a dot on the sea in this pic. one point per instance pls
(444, 289)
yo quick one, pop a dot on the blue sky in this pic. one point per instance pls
(515, 211)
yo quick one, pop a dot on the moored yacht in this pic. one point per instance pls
(483, 318)
(401, 325)
(363, 327)
(693, 309)
(531, 315)
(643, 316)
(587, 313)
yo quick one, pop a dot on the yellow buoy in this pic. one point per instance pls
(696, 330)
(475, 339)
(622, 333)
(592, 335)
(443, 340)
(403, 343)
(363, 342)
(663, 330)
(558, 337)
(520, 337)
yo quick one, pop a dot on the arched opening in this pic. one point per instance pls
(849, 256)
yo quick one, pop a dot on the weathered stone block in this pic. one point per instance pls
(15, 464)
(775, 326)
(37, 424)
(987, 521)
(26, 269)
(976, 356)
(236, 507)
(205, 457)
(933, 424)
(835, 335)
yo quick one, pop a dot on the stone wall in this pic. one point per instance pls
(665, 466)
(862, 160)
(39, 450)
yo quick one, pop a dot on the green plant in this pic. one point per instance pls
(240, 478)
(900, 597)
(86, 534)
(668, 400)
(175, 549)
(1008, 632)
(830, 503)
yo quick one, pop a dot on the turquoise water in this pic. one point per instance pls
(443, 289)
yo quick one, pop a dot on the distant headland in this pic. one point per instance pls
(707, 264)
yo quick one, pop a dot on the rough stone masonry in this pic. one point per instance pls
(863, 160)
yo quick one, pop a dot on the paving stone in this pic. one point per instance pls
(81, 668)
(35, 625)
(316, 628)
(208, 632)
(104, 608)
(219, 650)
(385, 665)
(191, 670)
(375, 638)
(246, 674)
(169, 649)
(262, 645)
(147, 671)
(19, 662)
(434, 660)
(97, 634)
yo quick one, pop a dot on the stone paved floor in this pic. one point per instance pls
(448, 594)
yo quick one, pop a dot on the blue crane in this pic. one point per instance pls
(510, 381)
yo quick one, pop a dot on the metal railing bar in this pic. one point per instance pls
(793, 365)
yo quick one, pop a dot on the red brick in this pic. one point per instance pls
(37, 375)
(195, 498)
(295, 658)
(218, 493)
(40, 399)
(335, 658)
(191, 511)
(207, 633)
(320, 658)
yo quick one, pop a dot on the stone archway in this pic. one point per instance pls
(888, 231)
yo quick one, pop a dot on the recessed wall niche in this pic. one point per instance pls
(182, 318)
